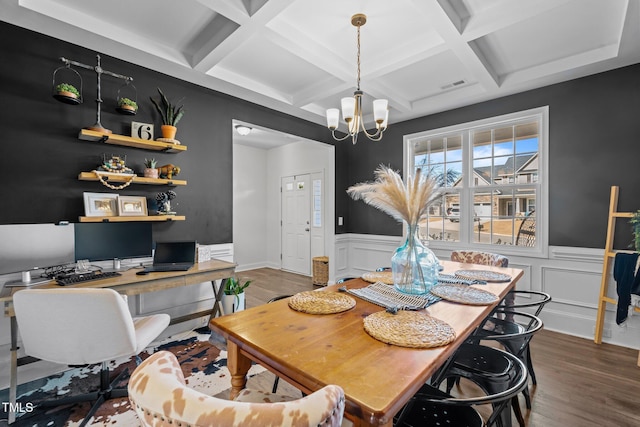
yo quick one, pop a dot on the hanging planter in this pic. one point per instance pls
(67, 89)
(127, 103)
(127, 106)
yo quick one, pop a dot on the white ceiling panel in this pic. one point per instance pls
(299, 56)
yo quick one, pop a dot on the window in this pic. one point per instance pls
(494, 173)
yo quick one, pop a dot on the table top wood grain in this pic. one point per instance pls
(311, 350)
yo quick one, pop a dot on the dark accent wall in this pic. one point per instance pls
(42, 155)
(594, 143)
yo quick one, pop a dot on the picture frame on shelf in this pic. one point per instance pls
(132, 206)
(100, 204)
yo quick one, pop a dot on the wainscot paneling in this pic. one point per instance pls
(570, 275)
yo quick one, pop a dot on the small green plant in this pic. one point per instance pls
(170, 114)
(150, 163)
(129, 102)
(635, 222)
(66, 87)
(234, 286)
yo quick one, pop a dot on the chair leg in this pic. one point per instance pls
(105, 393)
(515, 404)
(527, 397)
(275, 385)
(532, 374)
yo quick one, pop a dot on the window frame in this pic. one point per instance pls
(466, 190)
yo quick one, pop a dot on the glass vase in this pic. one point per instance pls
(414, 266)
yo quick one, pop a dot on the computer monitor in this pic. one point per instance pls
(113, 240)
(32, 248)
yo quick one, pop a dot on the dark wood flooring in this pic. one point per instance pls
(579, 383)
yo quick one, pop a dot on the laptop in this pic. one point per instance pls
(173, 256)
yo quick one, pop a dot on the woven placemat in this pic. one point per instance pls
(378, 276)
(321, 302)
(464, 294)
(409, 329)
(486, 275)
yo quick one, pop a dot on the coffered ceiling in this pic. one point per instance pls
(299, 56)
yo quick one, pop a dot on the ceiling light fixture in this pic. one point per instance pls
(352, 107)
(243, 130)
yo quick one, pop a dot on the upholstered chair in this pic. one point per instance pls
(160, 397)
(477, 257)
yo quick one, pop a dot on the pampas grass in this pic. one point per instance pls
(390, 194)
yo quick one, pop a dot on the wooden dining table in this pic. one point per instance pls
(313, 350)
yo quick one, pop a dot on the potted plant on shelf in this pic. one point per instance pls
(233, 299)
(170, 114)
(127, 106)
(150, 170)
(67, 93)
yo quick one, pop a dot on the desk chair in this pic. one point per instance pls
(77, 326)
(159, 395)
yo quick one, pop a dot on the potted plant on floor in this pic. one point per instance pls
(233, 299)
(170, 114)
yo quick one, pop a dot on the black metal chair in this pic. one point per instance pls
(514, 335)
(344, 279)
(432, 407)
(537, 300)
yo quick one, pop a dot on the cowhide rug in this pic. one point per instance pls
(204, 367)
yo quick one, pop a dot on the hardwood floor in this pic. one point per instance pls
(579, 383)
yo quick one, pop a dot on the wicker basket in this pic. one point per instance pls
(320, 270)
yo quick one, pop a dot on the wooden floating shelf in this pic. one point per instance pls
(127, 141)
(153, 218)
(91, 176)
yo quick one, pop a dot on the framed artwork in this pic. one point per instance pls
(132, 206)
(100, 204)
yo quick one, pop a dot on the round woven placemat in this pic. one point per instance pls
(409, 329)
(321, 302)
(378, 276)
(464, 294)
(486, 275)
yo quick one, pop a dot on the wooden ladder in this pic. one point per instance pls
(609, 255)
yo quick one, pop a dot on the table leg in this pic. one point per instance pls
(217, 293)
(13, 374)
(238, 365)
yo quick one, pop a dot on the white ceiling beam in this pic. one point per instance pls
(231, 9)
(204, 60)
(447, 30)
(506, 14)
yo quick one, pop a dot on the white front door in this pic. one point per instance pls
(296, 224)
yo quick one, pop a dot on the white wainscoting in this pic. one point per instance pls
(570, 275)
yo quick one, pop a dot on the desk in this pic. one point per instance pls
(311, 351)
(127, 284)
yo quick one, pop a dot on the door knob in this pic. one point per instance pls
(306, 229)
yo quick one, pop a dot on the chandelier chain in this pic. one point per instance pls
(358, 61)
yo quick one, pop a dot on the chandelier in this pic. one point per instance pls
(352, 107)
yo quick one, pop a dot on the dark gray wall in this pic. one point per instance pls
(594, 143)
(42, 156)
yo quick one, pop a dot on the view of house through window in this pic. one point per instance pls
(492, 178)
